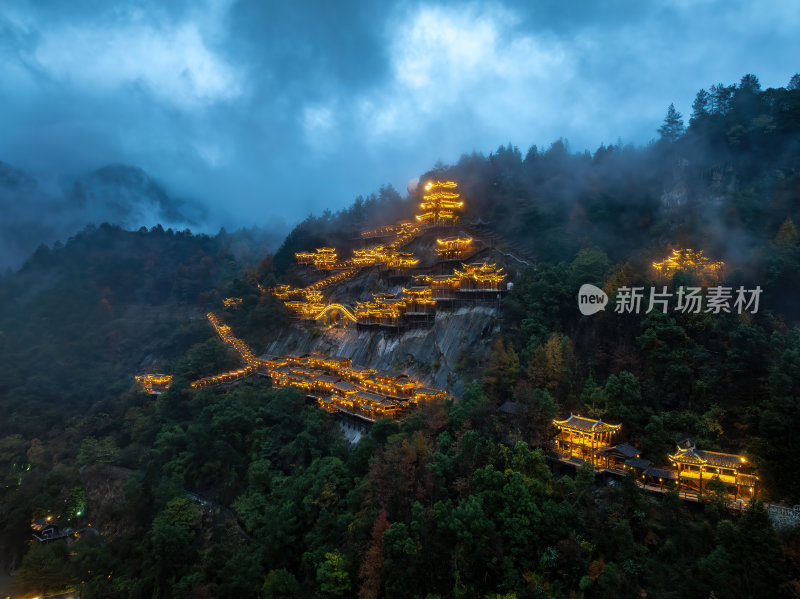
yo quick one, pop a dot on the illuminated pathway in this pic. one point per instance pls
(343, 310)
(251, 364)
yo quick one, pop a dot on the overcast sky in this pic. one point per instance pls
(275, 109)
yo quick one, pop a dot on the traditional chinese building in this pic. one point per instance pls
(357, 373)
(232, 302)
(444, 287)
(154, 384)
(422, 395)
(696, 468)
(367, 257)
(325, 258)
(331, 363)
(390, 384)
(439, 203)
(410, 308)
(692, 261)
(621, 458)
(283, 291)
(401, 261)
(480, 276)
(344, 389)
(453, 248)
(420, 309)
(580, 438)
(322, 258)
(309, 308)
(476, 281)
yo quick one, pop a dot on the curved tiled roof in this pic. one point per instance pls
(661, 473)
(587, 425)
(707, 458)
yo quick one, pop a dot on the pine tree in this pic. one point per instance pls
(794, 82)
(700, 105)
(750, 83)
(721, 98)
(673, 127)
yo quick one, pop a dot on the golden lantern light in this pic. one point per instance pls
(692, 261)
(450, 248)
(154, 384)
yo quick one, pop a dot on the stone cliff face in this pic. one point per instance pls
(431, 355)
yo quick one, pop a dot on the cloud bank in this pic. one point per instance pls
(266, 112)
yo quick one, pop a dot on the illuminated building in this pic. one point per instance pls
(390, 384)
(420, 308)
(337, 385)
(588, 440)
(621, 457)
(439, 202)
(232, 302)
(401, 260)
(356, 373)
(344, 389)
(322, 258)
(309, 308)
(580, 438)
(453, 248)
(154, 384)
(422, 395)
(696, 468)
(480, 276)
(367, 257)
(284, 291)
(374, 406)
(444, 286)
(691, 261)
(473, 282)
(419, 296)
(412, 307)
(305, 257)
(333, 363)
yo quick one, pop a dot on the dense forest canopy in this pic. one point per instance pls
(253, 492)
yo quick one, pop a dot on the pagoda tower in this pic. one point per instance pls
(439, 202)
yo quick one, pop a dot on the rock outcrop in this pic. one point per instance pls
(432, 355)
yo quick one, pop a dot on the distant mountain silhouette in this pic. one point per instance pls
(40, 210)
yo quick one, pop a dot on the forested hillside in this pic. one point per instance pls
(251, 491)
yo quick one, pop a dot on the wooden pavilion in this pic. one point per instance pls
(579, 438)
